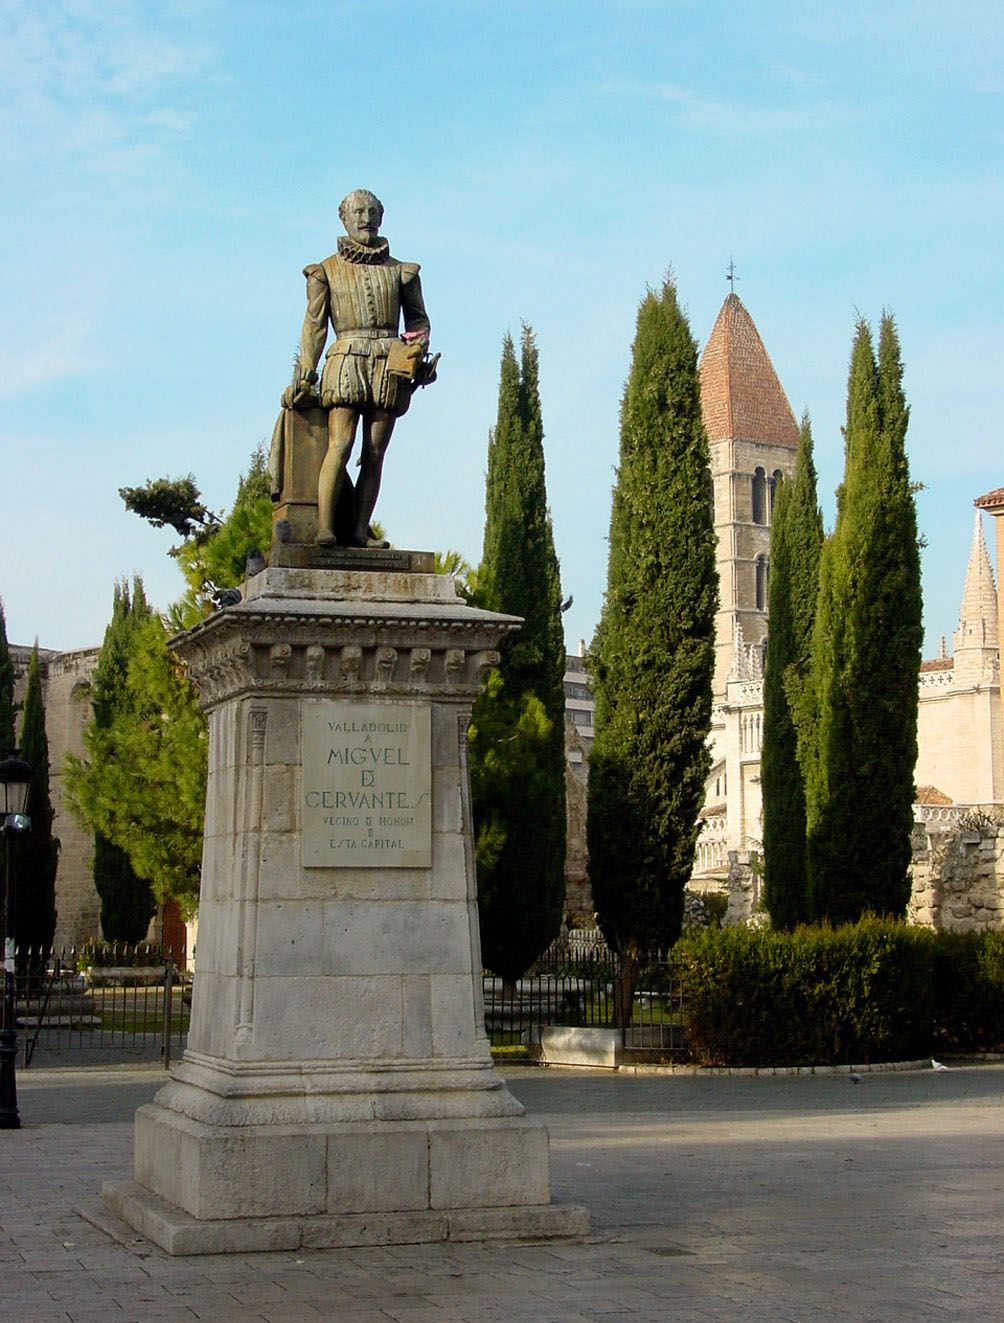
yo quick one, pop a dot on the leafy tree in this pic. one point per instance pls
(860, 753)
(144, 786)
(219, 560)
(7, 738)
(127, 901)
(653, 654)
(517, 731)
(796, 542)
(214, 551)
(37, 849)
(172, 502)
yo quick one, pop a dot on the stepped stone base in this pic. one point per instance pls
(353, 1167)
(242, 1189)
(180, 1234)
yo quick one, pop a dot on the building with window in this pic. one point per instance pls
(753, 438)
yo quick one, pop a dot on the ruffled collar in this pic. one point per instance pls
(363, 253)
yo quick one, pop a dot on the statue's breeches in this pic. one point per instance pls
(355, 374)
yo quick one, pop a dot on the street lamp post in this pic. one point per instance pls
(15, 778)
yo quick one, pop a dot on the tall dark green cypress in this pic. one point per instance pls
(896, 645)
(37, 849)
(517, 731)
(7, 738)
(127, 901)
(653, 655)
(6, 691)
(866, 657)
(796, 542)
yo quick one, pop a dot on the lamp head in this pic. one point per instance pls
(15, 780)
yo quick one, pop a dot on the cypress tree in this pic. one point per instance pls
(796, 542)
(653, 655)
(7, 739)
(6, 691)
(127, 901)
(145, 784)
(866, 657)
(37, 849)
(896, 637)
(517, 731)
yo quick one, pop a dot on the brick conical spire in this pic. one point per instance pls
(741, 396)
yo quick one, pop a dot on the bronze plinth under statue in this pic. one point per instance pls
(370, 373)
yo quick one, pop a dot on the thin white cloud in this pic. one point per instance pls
(720, 117)
(806, 80)
(173, 124)
(46, 362)
(81, 80)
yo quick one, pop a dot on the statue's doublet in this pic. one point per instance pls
(362, 292)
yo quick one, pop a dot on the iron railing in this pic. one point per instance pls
(107, 998)
(573, 984)
(137, 999)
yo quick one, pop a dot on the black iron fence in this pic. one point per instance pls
(573, 984)
(116, 997)
(104, 998)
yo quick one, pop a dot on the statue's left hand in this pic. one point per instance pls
(426, 374)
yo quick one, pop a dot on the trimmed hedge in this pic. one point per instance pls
(969, 992)
(871, 991)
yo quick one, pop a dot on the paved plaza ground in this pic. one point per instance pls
(796, 1198)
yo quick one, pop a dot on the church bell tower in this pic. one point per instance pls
(753, 439)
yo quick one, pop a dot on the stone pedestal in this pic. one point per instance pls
(338, 1087)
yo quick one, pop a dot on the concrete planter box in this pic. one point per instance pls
(564, 1046)
(105, 976)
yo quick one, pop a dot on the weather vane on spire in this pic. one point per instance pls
(730, 275)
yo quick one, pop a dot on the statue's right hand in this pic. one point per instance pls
(301, 393)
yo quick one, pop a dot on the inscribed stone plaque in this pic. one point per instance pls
(367, 785)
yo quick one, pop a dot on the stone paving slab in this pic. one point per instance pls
(803, 1198)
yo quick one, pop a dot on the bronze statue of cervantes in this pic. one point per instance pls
(371, 368)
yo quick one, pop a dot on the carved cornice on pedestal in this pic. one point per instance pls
(268, 646)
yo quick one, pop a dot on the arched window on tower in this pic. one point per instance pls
(774, 486)
(759, 496)
(762, 574)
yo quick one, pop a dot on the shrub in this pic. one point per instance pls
(119, 955)
(969, 992)
(820, 995)
(717, 906)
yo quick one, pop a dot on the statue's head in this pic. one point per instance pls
(361, 213)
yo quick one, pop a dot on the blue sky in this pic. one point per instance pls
(170, 168)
